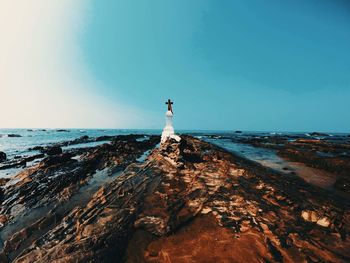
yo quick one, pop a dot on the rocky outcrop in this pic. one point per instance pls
(193, 202)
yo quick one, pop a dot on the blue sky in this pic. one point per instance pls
(240, 65)
(253, 65)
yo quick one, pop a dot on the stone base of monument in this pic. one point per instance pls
(168, 131)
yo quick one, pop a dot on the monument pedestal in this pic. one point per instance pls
(168, 131)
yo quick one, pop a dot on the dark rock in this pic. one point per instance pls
(104, 138)
(2, 157)
(13, 164)
(238, 131)
(30, 130)
(62, 130)
(84, 138)
(37, 148)
(11, 135)
(56, 159)
(53, 150)
(343, 184)
(33, 157)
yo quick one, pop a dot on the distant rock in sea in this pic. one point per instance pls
(11, 135)
(318, 134)
(62, 130)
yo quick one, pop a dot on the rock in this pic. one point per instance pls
(14, 163)
(56, 159)
(3, 181)
(238, 131)
(343, 184)
(53, 150)
(3, 157)
(310, 216)
(324, 221)
(84, 138)
(11, 135)
(62, 130)
(37, 148)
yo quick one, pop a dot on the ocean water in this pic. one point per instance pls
(29, 138)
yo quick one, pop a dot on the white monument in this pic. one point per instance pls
(168, 131)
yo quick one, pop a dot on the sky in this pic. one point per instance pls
(227, 65)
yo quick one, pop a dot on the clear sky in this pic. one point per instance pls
(247, 65)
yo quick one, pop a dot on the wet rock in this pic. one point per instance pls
(53, 150)
(2, 157)
(62, 130)
(19, 161)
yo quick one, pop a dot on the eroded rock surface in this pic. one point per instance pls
(47, 188)
(193, 202)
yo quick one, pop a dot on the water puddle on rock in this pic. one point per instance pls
(269, 158)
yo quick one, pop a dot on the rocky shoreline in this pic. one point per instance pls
(186, 202)
(318, 150)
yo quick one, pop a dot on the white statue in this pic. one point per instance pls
(168, 131)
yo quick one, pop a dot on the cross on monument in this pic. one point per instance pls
(169, 103)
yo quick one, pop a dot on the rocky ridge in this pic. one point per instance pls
(194, 202)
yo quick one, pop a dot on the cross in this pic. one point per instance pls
(169, 103)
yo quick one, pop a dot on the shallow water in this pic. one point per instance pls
(269, 158)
